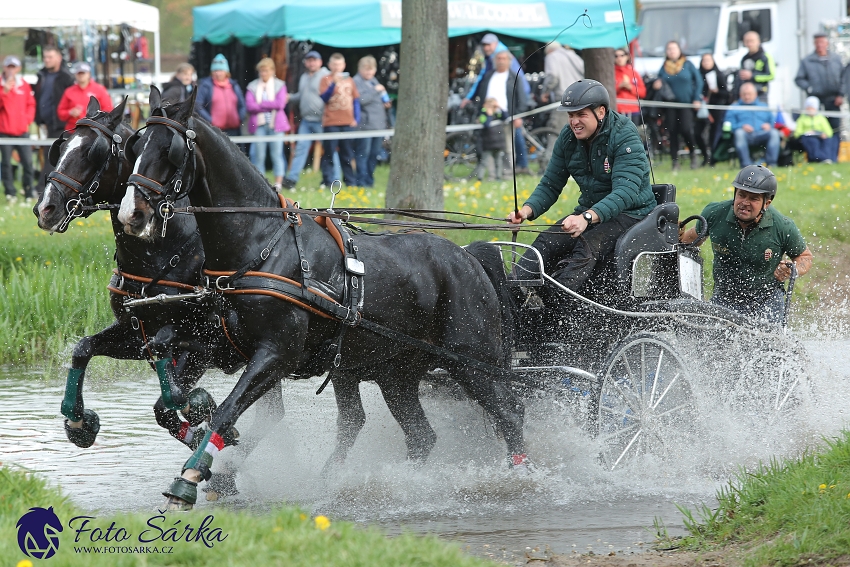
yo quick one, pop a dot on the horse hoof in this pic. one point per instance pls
(84, 436)
(201, 406)
(177, 505)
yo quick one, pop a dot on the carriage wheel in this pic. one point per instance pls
(645, 403)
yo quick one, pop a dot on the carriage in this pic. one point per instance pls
(641, 355)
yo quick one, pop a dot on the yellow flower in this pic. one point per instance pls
(302, 516)
(24, 563)
(19, 259)
(822, 487)
(80, 223)
(47, 263)
(322, 522)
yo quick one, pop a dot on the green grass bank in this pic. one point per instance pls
(52, 287)
(286, 536)
(793, 512)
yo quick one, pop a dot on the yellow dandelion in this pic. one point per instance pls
(24, 563)
(19, 259)
(822, 487)
(322, 522)
(80, 223)
(831, 486)
(848, 495)
(48, 263)
(302, 517)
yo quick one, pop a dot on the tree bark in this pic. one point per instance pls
(416, 171)
(599, 66)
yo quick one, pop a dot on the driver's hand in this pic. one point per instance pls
(524, 213)
(782, 271)
(574, 225)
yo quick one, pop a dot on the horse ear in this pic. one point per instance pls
(117, 114)
(187, 107)
(155, 98)
(93, 108)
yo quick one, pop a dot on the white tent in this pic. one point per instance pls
(43, 14)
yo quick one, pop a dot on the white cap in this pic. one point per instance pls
(812, 102)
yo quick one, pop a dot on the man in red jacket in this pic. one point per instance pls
(76, 97)
(17, 111)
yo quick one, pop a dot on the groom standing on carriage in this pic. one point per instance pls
(603, 152)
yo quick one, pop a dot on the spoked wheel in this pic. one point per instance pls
(461, 159)
(645, 405)
(537, 146)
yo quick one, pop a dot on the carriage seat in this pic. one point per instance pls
(658, 232)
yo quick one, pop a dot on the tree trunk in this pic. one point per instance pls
(416, 171)
(599, 66)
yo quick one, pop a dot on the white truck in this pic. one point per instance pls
(717, 26)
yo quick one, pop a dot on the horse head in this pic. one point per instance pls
(166, 165)
(88, 167)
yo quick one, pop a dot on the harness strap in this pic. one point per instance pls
(175, 259)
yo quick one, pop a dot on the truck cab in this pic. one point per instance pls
(786, 28)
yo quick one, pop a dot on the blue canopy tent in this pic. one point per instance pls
(368, 23)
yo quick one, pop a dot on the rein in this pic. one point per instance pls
(85, 191)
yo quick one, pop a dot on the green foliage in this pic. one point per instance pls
(788, 512)
(286, 536)
(53, 287)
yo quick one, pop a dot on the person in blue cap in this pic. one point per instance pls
(220, 100)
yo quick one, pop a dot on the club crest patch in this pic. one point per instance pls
(768, 254)
(606, 166)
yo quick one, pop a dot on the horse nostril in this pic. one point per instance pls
(137, 216)
(48, 210)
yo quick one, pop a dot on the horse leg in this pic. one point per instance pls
(402, 397)
(350, 417)
(499, 401)
(259, 377)
(116, 341)
(270, 411)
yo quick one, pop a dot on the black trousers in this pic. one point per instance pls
(571, 260)
(680, 122)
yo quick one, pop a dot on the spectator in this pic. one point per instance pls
(686, 84)
(499, 84)
(220, 101)
(342, 114)
(311, 108)
(714, 92)
(490, 46)
(629, 85)
(820, 75)
(753, 127)
(75, 99)
(181, 84)
(757, 66)
(492, 139)
(562, 67)
(814, 132)
(374, 102)
(266, 99)
(53, 79)
(17, 111)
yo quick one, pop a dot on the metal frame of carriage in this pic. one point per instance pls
(627, 355)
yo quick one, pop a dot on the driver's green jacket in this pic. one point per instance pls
(744, 262)
(612, 172)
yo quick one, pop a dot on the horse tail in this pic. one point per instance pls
(490, 258)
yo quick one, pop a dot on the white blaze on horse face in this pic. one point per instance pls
(128, 203)
(49, 190)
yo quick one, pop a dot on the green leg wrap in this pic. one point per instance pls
(201, 460)
(72, 403)
(172, 396)
(183, 489)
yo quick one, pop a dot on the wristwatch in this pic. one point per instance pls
(586, 215)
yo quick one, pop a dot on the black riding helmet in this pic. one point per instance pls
(584, 93)
(756, 179)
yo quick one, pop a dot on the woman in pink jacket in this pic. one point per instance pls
(265, 101)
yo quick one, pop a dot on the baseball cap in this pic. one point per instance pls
(489, 38)
(80, 67)
(312, 55)
(11, 60)
(812, 102)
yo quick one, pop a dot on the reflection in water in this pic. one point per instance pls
(463, 492)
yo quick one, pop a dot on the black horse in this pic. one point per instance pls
(434, 296)
(91, 168)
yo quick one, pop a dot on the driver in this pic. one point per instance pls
(603, 152)
(749, 240)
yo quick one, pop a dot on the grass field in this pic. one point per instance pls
(53, 286)
(286, 536)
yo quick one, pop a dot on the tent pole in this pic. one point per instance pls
(157, 61)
